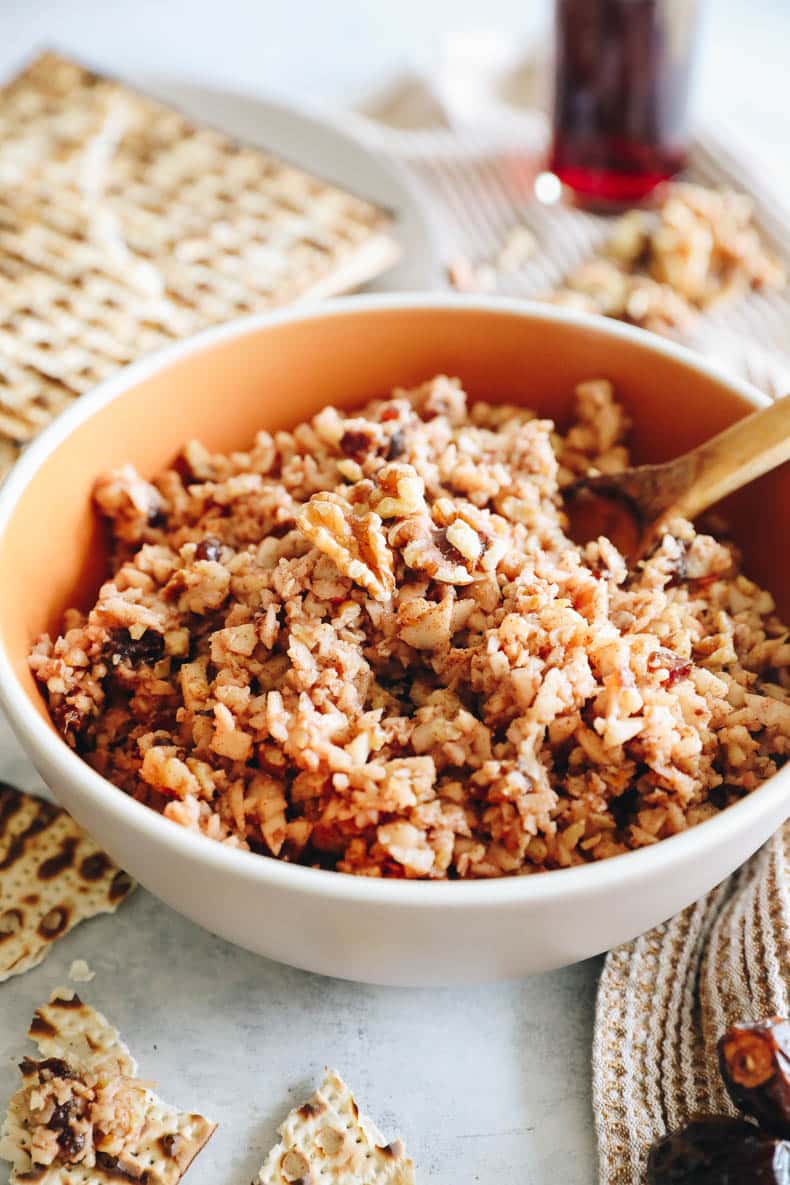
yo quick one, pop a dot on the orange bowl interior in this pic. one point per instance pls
(53, 555)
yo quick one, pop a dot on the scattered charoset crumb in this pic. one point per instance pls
(368, 645)
(662, 267)
(83, 1116)
(52, 876)
(327, 1139)
(519, 247)
(81, 972)
(466, 276)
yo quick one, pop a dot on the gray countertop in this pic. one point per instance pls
(486, 1085)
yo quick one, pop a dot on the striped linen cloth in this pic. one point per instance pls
(666, 998)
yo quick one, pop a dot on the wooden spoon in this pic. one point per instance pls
(630, 507)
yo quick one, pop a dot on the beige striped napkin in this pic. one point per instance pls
(665, 999)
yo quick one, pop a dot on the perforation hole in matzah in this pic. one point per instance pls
(123, 225)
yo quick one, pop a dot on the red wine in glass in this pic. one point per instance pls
(621, 87)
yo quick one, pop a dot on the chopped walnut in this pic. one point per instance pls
(427, 549)
(131, 503)
(630, 238)
(657, 307)
(386, 656)
(401, 491)
(466, 276)
(425, 625)
(75, 1116)
(355, 543)
(199, 587)
(458, 546)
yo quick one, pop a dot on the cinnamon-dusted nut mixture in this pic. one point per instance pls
(367, 644)
(660, 268)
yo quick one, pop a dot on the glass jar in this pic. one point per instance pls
(621, 87)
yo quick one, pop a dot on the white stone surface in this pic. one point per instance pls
(489, 1085)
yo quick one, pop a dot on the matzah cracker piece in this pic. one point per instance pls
(85, 1069)
(52, 876)
(69, 1029)
(327, 1140)
(123, 226)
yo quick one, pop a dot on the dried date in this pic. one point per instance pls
(754, 1060)
(719, 1150)
(355, 444)
(148, 648)
(209, 548)
(71, 1144)
(397, 445)
(677, 668)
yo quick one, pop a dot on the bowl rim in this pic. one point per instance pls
(600, 876)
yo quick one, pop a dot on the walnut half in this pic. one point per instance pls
(355, 542)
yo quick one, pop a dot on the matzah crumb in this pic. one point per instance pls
(81, 972)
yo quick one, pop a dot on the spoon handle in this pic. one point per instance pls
(744, 451)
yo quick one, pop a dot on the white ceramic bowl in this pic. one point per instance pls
(271, 370)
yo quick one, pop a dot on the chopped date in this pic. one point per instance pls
(112, 1164)
(50, 1067)
(681, 670)
(67, 718)
(71, 1144)
(719, 1150)
(755, 1064)
(209, 548)
(355, 444)
(148, 648)
(61, 1115)
(624, 806)
(678, 668)
(397, 445)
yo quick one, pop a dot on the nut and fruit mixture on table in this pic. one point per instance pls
(660, 268)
